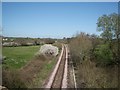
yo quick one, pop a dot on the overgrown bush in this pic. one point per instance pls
(87, 52)
(57, 44)
(104, 55)
(80, 47)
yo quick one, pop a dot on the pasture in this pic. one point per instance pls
(16, 57)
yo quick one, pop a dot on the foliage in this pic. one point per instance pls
(80, 47)
(104, 55)
(89, 51)
(109, 25)
(49, 41)
(58, 44)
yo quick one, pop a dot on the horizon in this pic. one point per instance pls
(53, 19)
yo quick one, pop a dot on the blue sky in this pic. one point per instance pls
(50, 19)
(60, 0)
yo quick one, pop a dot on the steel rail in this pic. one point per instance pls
(51, 79)
(64, 81)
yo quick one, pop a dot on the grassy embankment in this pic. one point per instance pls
(43, 74)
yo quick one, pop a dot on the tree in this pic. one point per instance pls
(104, 25)
(109, 25)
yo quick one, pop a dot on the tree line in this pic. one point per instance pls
(103, 49)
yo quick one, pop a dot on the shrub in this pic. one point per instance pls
(80, 47)
(49, 41)
(58, 44)
(104, 55)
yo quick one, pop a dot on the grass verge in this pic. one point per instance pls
(44, 72)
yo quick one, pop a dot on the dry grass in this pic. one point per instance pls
(36, 69)
(43, 74)
(11, 79)
(29, 72)
(25, 76)
(90, 76)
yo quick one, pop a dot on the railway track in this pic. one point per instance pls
(58, 78)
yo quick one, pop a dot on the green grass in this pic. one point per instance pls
(16, 57)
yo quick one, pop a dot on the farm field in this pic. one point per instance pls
(26, 68)
(16, 57)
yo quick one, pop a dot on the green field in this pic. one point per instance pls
(16, 57)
